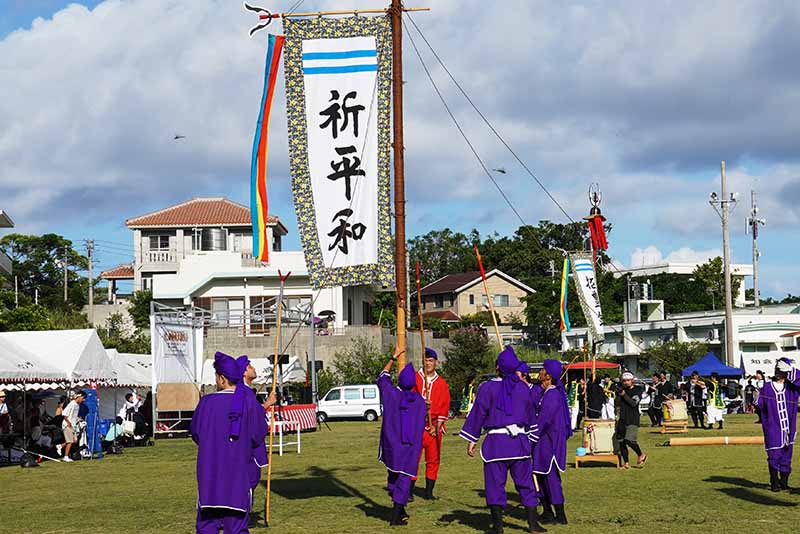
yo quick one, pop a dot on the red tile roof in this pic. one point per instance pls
(120, 272)
(444, 315)
(450, 283)
(200, 212)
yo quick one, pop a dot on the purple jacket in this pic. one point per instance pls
(396, 455)
(508, 436)
(552, 427)
(224, 466)
(779, 411)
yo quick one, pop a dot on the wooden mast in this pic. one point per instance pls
(399, 179)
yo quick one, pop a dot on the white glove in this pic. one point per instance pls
(783, 366)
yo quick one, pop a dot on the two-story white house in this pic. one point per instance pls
(200, 253)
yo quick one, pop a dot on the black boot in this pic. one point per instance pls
(785, 481)
(547, 517)
(533, 520)
(429, 483)
(497, 519)
(411, 491)
(399, 516)
(774, 483)
(720, 425)
(561, 517)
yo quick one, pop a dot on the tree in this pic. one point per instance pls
(140, 309)
(443, 252)
(325, 381)
(469, 353)
(30, 317)
(361, 363)
(674, 356)
(117, 333)
(712, 276)
(384, 309)
(38, 264)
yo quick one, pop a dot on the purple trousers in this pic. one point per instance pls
(210, 520)
(550, 486)
(494, 481)
(781, 459)
(399, 486)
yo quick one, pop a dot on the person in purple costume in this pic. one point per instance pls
(503, 410)
(227, 430)
(404, 413)
(550, 453)
(777, 403)
(260, 457)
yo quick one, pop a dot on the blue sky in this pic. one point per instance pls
(646, 100)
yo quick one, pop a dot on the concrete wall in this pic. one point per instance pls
(230, 341)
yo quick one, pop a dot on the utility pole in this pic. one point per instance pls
(90, 251)
(722, 207)
(752, 226)
(66, 273)
(16, 292)
(398, 147)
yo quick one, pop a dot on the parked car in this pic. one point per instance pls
(362, 400)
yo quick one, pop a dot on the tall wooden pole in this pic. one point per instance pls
(489, 298)
(278, 315)
(399, 179)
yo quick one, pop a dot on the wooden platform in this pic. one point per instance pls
(612, 458)
(675, 427)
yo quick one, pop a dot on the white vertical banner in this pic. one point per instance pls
(588, 293)
(338, 81)
(340, 77)
(175, 356)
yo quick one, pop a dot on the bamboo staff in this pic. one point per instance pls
(427, 386)
(278, 314)
(489, 298)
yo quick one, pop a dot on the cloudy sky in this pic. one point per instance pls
(645, 98)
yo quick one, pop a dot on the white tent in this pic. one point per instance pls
(79, 354)
(133, 373)
(19, 365)
(292, 372)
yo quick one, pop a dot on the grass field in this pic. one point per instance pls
(336, 485)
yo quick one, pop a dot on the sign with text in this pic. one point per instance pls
(588, 293)
(337, 88)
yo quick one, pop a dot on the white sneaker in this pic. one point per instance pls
(68, 459)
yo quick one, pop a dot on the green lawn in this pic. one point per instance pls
(336, 485)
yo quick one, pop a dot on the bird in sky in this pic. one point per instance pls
(501, 170)
(178, 136)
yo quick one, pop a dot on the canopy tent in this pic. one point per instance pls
(292, 371)
(131, 370)
(78, 354)
(710, 364)
(18, 365)
(599, 364)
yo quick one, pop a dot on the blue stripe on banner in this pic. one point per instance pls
(341, 69)
(581, 269)
(339, 55)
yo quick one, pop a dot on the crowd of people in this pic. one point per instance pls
(31, 433)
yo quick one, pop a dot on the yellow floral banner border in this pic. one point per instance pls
(330, 28)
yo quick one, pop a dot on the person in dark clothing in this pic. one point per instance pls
(749, 396)
(581, 401)
(627, 429)
(667, 389)
(596, 399)
(654, 408)
(695, 399)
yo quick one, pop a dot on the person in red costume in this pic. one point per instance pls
(436, 393)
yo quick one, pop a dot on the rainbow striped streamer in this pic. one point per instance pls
(564, 292)
(258, 165)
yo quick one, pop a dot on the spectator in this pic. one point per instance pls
(70, 414)
(596, 399)
(131, 406)
(759, 385)
(749, 396)
(627, 430)
(5, 417)
(654, 408)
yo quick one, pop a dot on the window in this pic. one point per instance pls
(439, 301)
(501, 301)
(276, 243)
(159, 242)
(756, 347)
(472, 299)
(299, 304)
(334, 394)
(370, 393)
(352, 394)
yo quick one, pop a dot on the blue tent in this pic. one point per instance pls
(710, 364)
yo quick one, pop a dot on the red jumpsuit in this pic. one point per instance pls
(437, 391)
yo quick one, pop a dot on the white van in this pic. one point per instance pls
(350, 401)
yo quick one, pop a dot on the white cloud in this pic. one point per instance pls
(651, 255)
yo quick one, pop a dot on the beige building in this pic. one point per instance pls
(456, 295)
